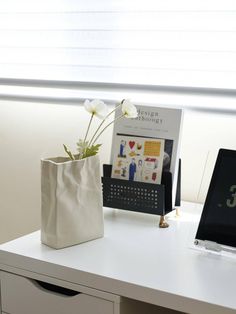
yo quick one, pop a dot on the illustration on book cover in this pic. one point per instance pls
(138, 159)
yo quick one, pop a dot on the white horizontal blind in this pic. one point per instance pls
(174, 43)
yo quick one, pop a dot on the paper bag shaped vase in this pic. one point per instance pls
(71, 201)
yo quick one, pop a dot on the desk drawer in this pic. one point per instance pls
(22, 295)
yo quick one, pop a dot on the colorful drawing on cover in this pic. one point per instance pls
(138, 159)
(122, 149)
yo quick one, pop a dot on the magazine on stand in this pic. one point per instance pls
(154, 127)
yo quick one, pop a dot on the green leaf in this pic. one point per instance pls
(85, 150)
(82, 146)
(69, 153)
(91, 151)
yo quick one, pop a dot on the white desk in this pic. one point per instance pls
(136, 260)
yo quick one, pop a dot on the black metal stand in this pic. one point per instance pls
(140, 197)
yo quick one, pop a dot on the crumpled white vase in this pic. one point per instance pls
(71, 201)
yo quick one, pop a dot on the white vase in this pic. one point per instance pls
(71, 201)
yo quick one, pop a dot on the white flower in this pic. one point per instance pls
(128, 109)
(96, 107)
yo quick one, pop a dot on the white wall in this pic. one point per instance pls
(203, 135)
(30, 131)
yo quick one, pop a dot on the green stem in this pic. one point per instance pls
(99, 127)
(106, 128)
(101, 124)
(85, 138)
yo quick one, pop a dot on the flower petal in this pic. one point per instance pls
(128, 109)
(96, 107)
(88, 106)
(99, 108)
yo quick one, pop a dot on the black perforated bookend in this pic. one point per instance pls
(138, 196)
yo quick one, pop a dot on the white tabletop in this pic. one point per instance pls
(136, 259)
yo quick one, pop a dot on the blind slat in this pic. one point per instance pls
(123, 75)
(197, 41)
(187, 61)
(111, 5)
(162, 21)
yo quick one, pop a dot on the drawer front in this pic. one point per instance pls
(22, 295)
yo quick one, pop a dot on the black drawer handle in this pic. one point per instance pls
(57, 289)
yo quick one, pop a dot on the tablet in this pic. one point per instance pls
(218, 219)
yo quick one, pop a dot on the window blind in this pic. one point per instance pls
(166, 43)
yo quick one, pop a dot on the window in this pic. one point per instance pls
(161, 43)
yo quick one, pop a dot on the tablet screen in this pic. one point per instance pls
(218, 220)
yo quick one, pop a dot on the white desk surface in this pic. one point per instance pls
(138, 260)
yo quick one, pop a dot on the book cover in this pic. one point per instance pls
(154, 123)
(138, 159)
